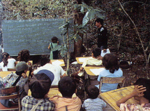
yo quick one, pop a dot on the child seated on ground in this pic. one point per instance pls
(93, 103)
(67, 88)
(39, 85)
(141, 93)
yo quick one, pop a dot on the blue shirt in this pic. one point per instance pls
(105, 73)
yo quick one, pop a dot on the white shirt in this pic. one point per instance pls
(94, 104)
(55, 69)
(92, 61)
(11, 64)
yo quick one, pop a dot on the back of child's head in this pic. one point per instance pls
(54, 39)
(67, 86)
(110, 62)
(44, 60)
(39, 85)
(92, 91)
(23, 55)
(145, 83)
(5, 57)
(96, 52)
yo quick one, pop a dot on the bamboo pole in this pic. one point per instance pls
(68, 54)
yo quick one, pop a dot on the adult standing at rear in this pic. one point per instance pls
(102, 34)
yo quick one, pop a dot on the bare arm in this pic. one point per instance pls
(63, 75)
(138, 91)
(48, 46)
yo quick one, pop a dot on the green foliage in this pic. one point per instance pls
(91, 13)
(35, 9)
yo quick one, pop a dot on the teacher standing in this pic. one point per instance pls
(102, 34)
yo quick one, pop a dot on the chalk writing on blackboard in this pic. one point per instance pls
(34, 35)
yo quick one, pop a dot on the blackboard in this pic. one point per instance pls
(34, 35)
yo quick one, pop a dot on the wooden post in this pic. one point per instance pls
(68, 54)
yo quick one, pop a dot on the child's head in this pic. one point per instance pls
(92, 91)
(110, 62)
(67, 86)
(5, 57)
(21, 68)
(145, 83)
(54, 39)
(48, 73)
(39, 85)
(23, 55)
(96, 52)
(44, 60)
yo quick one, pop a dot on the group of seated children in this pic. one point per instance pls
(8, 62)
(48, 74)
(40, 85)
(67, 102)
(111, 68)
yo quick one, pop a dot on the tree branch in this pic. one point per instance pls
(137, 32)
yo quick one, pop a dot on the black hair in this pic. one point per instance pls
(145, 83)
(20, 75)
(24, 55)
(44, 60)
(40, 88)
(54, 39)
(96, 52)
(67, 86)
(99, 20)
(110, 62)
(5, 57)
(92, 91)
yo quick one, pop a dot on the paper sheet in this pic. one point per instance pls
(103, 53)
(57, 62)
(97, 71)
(75, 62)
(83, 59)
